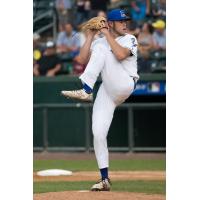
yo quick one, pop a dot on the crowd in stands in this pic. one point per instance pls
(60, 56)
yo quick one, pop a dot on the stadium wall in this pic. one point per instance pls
(62, 124)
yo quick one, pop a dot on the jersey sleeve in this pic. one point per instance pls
(131, 43)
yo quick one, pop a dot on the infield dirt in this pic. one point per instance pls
(78, 195)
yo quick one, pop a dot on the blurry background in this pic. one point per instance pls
(64, 125)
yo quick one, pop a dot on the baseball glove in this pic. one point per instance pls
(95, 23)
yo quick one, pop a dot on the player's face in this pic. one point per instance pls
(120, 27)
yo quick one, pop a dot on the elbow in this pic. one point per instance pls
(81, 60)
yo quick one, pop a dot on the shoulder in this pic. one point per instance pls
(127, 35)
(61, 33)
(130, 37)
(127, 39)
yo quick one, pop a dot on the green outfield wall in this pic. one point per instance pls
(62, 124)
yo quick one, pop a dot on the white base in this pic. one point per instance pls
(54, 172)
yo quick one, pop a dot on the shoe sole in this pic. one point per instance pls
(85, 100)
(98, 190)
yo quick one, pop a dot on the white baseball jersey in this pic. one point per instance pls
(130, 42)
(117, 85)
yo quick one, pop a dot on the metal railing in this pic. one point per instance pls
(53, 25)
(131, 142)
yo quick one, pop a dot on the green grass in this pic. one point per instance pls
(149, 187)
(91, 165)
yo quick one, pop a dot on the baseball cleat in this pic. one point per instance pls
(102, 185)
(78, 94)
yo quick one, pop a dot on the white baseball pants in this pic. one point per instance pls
(116, 87)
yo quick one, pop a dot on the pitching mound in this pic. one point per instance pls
(85, 195)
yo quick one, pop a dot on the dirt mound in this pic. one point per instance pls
(85, 195)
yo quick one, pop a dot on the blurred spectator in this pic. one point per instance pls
(133, 28)
(78, 67)
(38, 48)
(145, 40)
(159, 9)
(49, 64)
(87, 9)
(36, 37)
(97, 5)
(101, 13)
(68, 42)
(144, 64)
(64, 10)
(159, 35)
(82, 35)
(83, 8)
(145, 46)
(139, 10)
(80, 11)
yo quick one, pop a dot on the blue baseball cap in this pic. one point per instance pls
(117, 15)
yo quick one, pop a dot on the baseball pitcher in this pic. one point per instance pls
(114, 56)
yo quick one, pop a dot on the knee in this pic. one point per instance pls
(99, 134)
